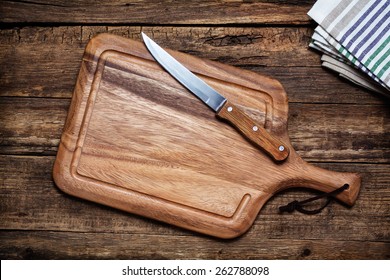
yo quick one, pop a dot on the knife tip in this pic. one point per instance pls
(144, 36)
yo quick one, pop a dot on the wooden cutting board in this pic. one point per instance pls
(136, 140)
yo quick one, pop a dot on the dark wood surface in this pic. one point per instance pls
(332, 124)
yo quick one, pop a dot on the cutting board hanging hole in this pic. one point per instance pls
(298, 205)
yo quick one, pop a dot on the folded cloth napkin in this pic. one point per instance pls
(350, 73)
(355, 33)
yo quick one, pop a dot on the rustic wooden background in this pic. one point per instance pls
(332, 123)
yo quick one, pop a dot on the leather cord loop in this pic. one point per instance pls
(298, 205)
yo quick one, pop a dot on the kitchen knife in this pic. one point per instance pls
(223, 108)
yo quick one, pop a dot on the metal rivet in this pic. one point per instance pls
(255, 128)
(230, 109)
(281, 148)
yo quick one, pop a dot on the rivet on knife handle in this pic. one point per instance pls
(254, 132)
(217, 102)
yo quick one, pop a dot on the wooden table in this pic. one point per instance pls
(332, 124)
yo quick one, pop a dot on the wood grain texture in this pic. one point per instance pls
(280, 52)
(40, 245)
(254, 132)
(332, 123)
(35, 230)
(164, 12)
(34, 126)
(28, 181)
(136, 140)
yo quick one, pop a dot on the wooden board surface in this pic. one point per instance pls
(176, 12)
(136, 140)
(40, 62)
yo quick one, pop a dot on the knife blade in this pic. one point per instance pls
(224, 109)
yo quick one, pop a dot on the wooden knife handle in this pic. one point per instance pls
(254, 132)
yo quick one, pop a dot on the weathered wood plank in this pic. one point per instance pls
(163, 13)
(349, 133)
(67, 245)
(29, 200)
(278, 46)
(324, 132)
(278, 52)
(31, 125)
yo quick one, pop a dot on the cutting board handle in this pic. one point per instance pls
(324, 180)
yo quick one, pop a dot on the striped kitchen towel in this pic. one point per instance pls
(357, 33)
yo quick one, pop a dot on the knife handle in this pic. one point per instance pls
(254, 132)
